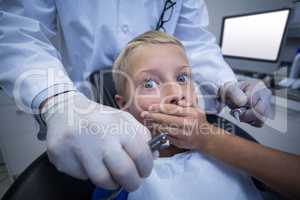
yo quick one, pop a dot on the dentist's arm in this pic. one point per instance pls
(210, 71)
(188, 128)
(105, 145)
(201, 46)
(30, 67)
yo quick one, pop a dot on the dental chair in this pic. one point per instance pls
(41, 180)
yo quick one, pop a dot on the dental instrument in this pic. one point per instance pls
(157, 143)
(237, 112)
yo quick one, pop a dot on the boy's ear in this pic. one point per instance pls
(120, 100)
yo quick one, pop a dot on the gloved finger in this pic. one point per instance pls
(261, 103)
(263, 111)
(243, 85)
(257, 123)
(73, 168)
(64, 163)
(269, 112)
(260, 108)
(263, 106)
(97, 171)
(252, 117)
(236, 97)
(122, 168)
(255, 90)
(140, 153)
(232, 95)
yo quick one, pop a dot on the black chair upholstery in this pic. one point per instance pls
(104, 87)
(41, 180)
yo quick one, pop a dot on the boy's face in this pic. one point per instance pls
(161, 75)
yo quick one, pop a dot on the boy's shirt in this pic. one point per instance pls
(194, 176)
(101, 194)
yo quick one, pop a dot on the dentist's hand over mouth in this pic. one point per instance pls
(89, 140)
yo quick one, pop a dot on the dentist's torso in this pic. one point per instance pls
(94, 32)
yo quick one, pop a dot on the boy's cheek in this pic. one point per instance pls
(143, 102)
(140, 104)
(190, 96)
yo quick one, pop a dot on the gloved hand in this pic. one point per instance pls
(252, 93)
(89, 140)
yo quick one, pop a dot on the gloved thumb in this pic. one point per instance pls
(232, 95)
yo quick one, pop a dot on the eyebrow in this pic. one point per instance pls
(152, 71)
(185, 66)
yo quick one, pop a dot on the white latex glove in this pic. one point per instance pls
(89, 140)
(252, 93)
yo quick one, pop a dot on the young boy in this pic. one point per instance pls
(153, 73)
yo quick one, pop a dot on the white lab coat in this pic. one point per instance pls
(91, 34)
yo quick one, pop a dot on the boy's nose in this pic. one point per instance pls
(173, 94)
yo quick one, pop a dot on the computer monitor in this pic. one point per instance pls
(255, 36)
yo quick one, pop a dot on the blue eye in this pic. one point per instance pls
(182, 78)
(150, 84)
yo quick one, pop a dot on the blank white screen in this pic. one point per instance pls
(255, 36)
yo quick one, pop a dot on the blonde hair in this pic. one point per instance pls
(120, 66)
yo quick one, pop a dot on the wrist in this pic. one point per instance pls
(54, 103)
(45, 102)
(210, 135)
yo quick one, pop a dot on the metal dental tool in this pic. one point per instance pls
(157, 143)
(237, 112)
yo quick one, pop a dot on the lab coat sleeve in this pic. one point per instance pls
(30, 66)
(208, 64)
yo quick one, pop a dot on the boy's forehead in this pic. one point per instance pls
(155, 58)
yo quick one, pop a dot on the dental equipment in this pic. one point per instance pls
(237, 112)
(157, 143)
